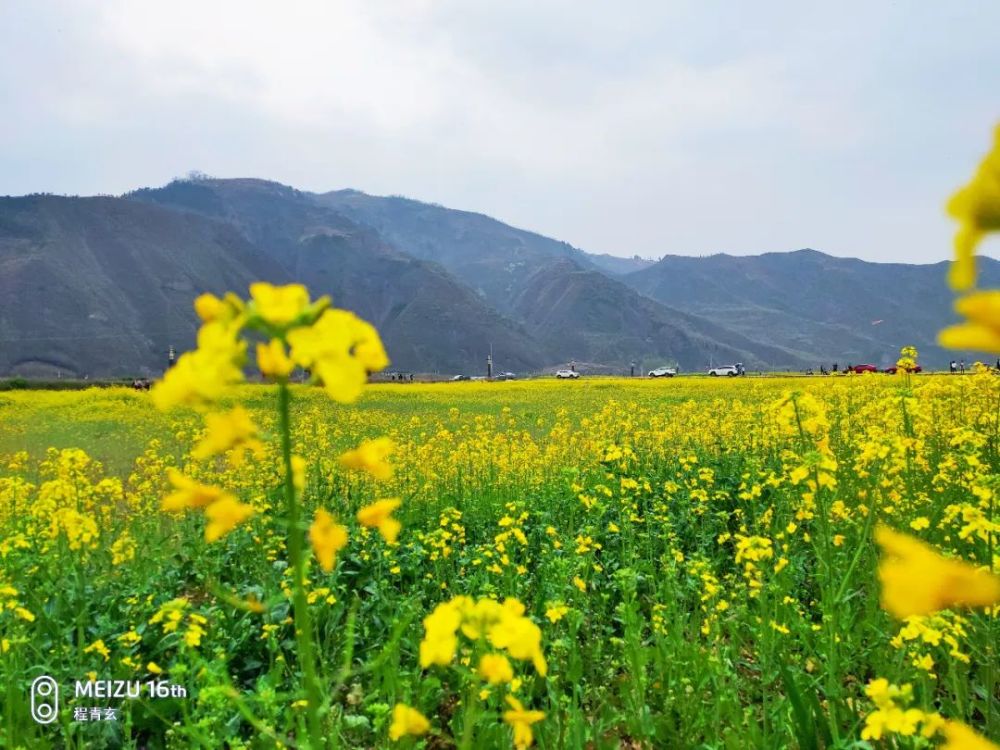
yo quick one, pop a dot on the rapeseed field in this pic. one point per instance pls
(714, 563)
(599, 563)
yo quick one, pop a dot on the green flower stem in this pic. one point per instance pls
(303, 624)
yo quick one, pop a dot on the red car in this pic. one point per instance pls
(863, 368)
(892, 370)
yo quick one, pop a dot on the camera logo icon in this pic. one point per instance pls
(44, 699)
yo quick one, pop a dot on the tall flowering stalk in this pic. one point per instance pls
(339, 350)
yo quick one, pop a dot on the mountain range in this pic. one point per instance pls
(102, 286)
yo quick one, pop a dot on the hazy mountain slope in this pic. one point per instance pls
(582, 314)
(103, 286)
(491, 257)
(828, 309)
(613, 264)
(430, 321)
(592, 317)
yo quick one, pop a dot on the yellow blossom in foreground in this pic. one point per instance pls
(440, 640)
(210, 308)
(228, 431)
(272, 361)
(378, 515)
(279, 305)
(977, 209)
(981, 329)
(327, 538)
(495, 669)
(225, 515)
(520, 721)
(916, 580)
(341, 350)
(960, 737)
(189, 493)
(407, 721)
(154, 668)
(200, 377)
(370, 456)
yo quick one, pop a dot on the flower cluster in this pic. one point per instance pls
(977, 209)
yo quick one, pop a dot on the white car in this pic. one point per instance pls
(567, 374)
(730, 370)
(663, 372)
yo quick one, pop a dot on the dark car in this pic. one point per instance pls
(894, 369)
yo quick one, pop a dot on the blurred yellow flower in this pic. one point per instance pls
(279, 305)
(981, 331)
(272, 361)
(200, 377)
(370, 456)
(378, 515)
(189, 493)
(341, 350)
(495, 669)
(960, 737)
(233, 430)
(520, 721)
(976, 206)
(327, 538)
(916, 580)
(407, 721)
(224, 515)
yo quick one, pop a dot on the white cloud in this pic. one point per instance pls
(650, 128)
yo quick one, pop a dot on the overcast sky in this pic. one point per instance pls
(634, 127)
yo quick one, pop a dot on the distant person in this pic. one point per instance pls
(952, 367)
(961, 367)
(822, 370)
(835, 365)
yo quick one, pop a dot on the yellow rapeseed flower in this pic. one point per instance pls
(189, 493)
(916, 580)
(960, 737)
(407, 721)
(225, 515)
(981, 329)
(272, 361)
(977, 209)
(520, 721)
(233, 430)
(378, 515)
(279, 305)
(370, 456)
(495, 669)
(327, 538)
(200, 377)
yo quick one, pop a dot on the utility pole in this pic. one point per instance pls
(489, 363)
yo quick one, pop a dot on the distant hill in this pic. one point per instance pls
(103, 286)
(429, 320)
(560, 293)
(823, 308)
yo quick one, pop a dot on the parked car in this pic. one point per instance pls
(460, 377)
(728, 370)
(893, 369)
(663, 372)
(505, 376)
(863, 368)
(567, 374)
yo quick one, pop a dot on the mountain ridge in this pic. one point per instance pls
(444, 286)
